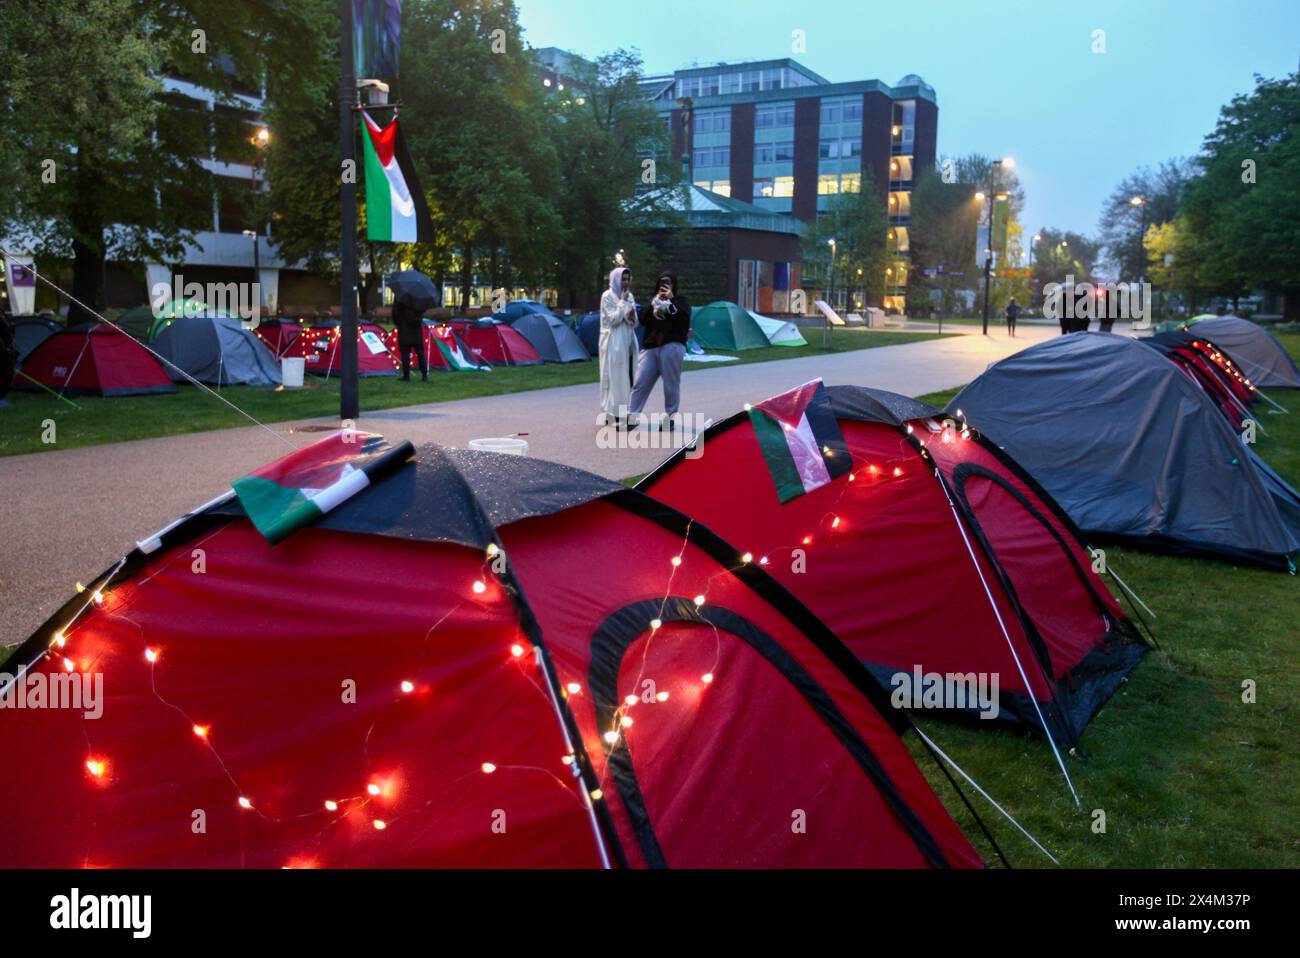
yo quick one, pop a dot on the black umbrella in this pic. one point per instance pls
(414, 289)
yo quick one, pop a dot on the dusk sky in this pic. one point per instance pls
(1017, 77)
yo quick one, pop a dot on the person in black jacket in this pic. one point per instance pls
(410, 335)
(667, 321)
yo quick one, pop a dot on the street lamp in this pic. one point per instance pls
(830, 295)
(1141, 203)
(1005, 163)
(260, 140)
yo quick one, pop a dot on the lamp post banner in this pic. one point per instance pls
(21, 281)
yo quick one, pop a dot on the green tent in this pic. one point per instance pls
(724, 325)
(144, 323)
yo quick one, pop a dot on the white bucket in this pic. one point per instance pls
(291, 370)
(508, 445)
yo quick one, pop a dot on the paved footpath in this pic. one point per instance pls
(69, 515)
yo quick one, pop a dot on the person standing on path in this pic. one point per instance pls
(410, 335)
(1013, 311)
(617, 345)
(664, 347)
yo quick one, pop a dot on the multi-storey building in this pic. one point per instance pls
(778, 135)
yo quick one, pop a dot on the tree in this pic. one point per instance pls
(606, 130)
(1060, 255)
(1245, 209)
(1120, 230)
(115, 169)
(858, 223)
(942, 236)
(478, 135)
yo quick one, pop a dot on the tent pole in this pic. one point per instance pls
(1007, 635)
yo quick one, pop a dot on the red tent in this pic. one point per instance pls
(971, 570)
(443, 349)
(534, 683)
(94, 359)
(319, 347)
(496, 343)
(278, 335)
(1211, 369)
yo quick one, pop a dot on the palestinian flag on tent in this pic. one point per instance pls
(452, 354)
(296, 490)
(396, 211)
(801, 440)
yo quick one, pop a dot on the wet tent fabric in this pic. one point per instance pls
(94, 359)
(443, 349)
(554, 341)
(496, 344)
(724, 325)
(881, 557)
(1131, 448)
(217, 350)
(30, 333)
(225, 687)
(1261, 357)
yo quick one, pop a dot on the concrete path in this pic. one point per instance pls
(69, 515)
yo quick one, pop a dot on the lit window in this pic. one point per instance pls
(763, 187)
(851, 183)
(784, 186)
(828, 184)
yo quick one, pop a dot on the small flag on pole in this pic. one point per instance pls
(800, 440)
(396, 210)
(296, 490)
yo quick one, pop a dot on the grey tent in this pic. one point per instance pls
(554, 341)
(1133, 449)
(30, 333)
(217, 349)
(1263, 360)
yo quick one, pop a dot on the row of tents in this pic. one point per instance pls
(196, 342)
(597, 670)
(1150, 441)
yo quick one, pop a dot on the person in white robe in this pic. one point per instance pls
(618, 346)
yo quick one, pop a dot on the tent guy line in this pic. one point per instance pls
(58, 289)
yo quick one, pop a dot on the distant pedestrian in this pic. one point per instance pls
(1013, 310)
(410, 335)
(667, 329)
(617, 346)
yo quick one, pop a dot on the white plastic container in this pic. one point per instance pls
(291, 371)
(507, 445)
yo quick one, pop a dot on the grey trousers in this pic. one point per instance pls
(661, 362)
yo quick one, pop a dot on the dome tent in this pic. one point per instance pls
(1133, 449)
(30, 332)
(218, 350)
(94, 359)
(724, 325)
(554, 341)
(495, 343)
(523, 707)
(1262, 359)
(971, 571)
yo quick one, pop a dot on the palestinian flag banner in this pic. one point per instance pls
(800, 440)
(396, 210)
(452, 354)
(295, 491)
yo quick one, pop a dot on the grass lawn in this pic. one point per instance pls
(192, 410)
(1186, 774)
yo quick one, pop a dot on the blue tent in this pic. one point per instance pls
(520, 308)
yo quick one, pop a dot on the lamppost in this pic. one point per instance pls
(1141, 203)
(830, 295)
(1032, 243)
(996, 165)
(260, 140)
